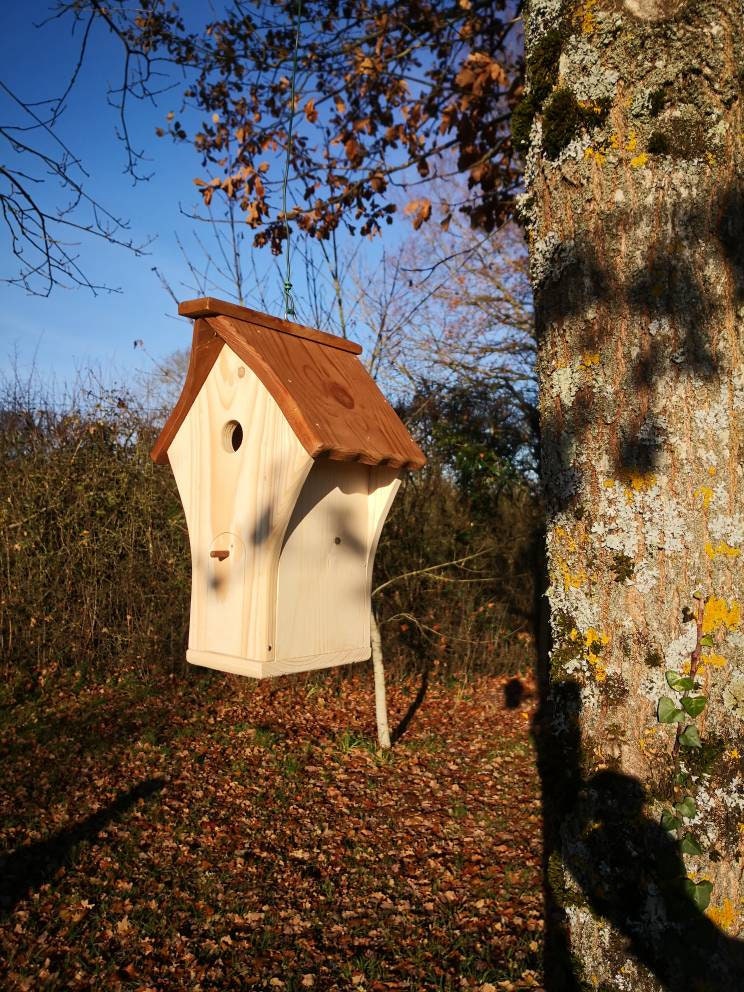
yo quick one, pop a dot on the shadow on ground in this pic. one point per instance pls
(34, 864)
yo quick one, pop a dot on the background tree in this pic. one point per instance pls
(634, 208)
(383, 90)
(46, 203)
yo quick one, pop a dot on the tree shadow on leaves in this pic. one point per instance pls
(413, 707)
(514, 693)
(34, 864)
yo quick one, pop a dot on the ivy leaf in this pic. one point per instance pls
(686, 808)
(668, 712)
(681, 683)
(699, 892)
(694, 705)
(690, 845)
(669, 821)
(690, 737)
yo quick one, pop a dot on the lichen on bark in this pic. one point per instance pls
(634, 211)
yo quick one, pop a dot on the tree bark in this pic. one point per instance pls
(634, 209)
(378, 669)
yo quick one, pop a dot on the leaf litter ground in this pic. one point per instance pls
(211, 833)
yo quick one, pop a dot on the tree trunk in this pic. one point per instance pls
(635, 214)
(378, 669)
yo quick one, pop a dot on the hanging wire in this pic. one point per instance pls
(289, 307)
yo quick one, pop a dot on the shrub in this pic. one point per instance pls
(96, 566)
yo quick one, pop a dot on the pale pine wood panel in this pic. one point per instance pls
(222, 593)
(248, 493)
(205, 347)
(384, 483)
(326, 394)
(269, 669)
(322, 589)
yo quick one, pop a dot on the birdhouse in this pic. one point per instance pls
(287, 458)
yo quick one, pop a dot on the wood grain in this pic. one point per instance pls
(322, 601)
(332, 403)
(207, 306)
(268, 669)
(205, 347)
(384, 483)
(236, 500)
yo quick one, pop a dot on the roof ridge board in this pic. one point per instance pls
(208, 306)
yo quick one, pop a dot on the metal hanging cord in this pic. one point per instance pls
(289, 307)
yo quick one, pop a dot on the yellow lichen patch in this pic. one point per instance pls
(568, 542)
(571, 580)
(646, 738)
(631, 145)
(722, 548)
(595, 155)
(589, 359)
(714, 660)
(588, 21)
(594, 641)
(724, 916)
(706, 495)
(639, 482)
(732, 754)
(711, 470)
(636, 482)
(721, 613)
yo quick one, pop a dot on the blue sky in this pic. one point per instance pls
(72, 329)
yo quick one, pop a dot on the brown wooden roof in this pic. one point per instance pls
(324, 391)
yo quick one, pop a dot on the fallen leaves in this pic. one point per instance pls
(282, 851)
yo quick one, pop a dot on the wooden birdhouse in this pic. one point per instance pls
(287, 458)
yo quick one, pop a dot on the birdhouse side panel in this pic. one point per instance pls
(322, 605)
(239, 469)
(384, 484)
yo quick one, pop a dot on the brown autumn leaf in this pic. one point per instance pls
(353, 150)
(419, 210)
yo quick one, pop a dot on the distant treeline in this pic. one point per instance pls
(95, 557)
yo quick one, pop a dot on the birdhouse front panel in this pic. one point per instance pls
(239, 468)
(287, 459)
